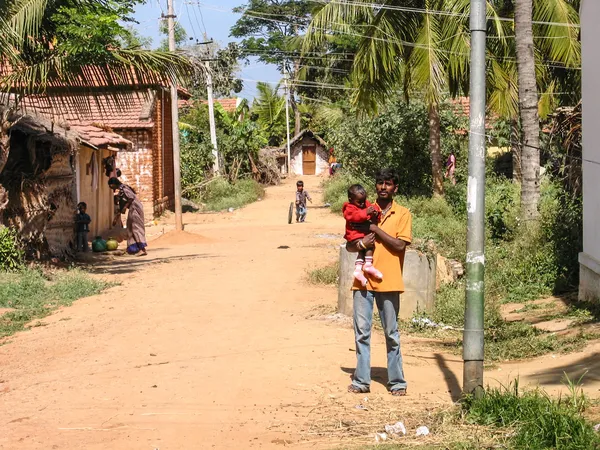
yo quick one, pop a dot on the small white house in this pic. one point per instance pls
(309, 154)
(589, 259)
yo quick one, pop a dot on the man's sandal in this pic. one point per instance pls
(398, 392)
(356, 390)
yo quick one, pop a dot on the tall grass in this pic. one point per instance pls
(32, 296)
(539, 421)
(221, 195)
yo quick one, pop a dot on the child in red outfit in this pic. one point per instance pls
(359, 210)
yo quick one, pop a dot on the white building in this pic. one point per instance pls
(589, 259)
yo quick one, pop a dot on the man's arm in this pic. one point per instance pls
(402, 238)
(394, 245)
(368, 241)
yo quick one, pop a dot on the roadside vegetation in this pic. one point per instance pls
(30, 294)
(523, 262)
(220, 194)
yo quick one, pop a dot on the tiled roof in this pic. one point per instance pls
(98, 137)
(131, 109)
(228, 104)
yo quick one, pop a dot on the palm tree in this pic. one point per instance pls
(528, 105)
(269, 106)
(427, 52)
(402, 50)
(30, 60)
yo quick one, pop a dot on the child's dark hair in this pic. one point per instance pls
(356, 190)
(387, 175)
(300, 183)
(82, 205)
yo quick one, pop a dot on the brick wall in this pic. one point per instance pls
(137, 166)
(163, 186)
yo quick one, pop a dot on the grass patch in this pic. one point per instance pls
(328, 275)
(32, 296)
(221, 195)
(537, 420)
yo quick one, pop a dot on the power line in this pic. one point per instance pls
(554, 64)
(436, 12)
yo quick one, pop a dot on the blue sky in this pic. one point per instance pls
(217, 17)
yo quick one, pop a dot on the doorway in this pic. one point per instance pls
(309, 159)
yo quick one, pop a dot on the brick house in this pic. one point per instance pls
(140, 116)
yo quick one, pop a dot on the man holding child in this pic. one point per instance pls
(389, 239)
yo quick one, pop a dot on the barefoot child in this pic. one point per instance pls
(359, 210)
(301, 197)
(82, 220)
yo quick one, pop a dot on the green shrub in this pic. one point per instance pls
(11, 254)
(220, 195)
(335, 189)
(540, 422)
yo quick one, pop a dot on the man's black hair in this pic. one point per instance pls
(300, 183)
(354, 190)
(82, 204)
(387, 175)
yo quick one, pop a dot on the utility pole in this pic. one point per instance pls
(473, 350)
(175, 123)
(211, 118)
(287, 122)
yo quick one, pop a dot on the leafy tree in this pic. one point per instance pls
(181, 36)
(268, 29)
(75, 42)
(397, 138)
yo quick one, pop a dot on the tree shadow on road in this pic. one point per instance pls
(450, 377)
(586, 369)
(130, 264)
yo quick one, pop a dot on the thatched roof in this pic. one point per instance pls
(301, 135)
(42, 129)
(66, 136)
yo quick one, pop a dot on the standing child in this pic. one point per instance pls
(301, 197)
(82, 220)
(359, 210)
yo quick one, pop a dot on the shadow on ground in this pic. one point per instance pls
(118, 265)
(584, 370)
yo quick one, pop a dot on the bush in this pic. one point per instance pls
(220, 195)
(397, 138)
(11, 254)
(539, 421)
(335, 189)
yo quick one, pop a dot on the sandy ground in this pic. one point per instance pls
(215, 340)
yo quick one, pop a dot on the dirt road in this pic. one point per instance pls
(210, 343)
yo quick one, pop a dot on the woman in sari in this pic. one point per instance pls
(136, 232)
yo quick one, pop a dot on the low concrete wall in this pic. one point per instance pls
(589, 278)
(419, 281)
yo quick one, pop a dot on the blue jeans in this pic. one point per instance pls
(300, 213)
(388, 304)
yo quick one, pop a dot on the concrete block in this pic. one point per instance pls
(419, 281)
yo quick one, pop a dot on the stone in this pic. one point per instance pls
(419, 281)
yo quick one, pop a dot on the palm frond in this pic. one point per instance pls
(24, 17)
(559, 42)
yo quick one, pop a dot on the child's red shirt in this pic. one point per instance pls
(354, 214)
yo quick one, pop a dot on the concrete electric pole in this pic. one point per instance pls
(211, 118)
(287, 121)
(473, 343)
(175, 123)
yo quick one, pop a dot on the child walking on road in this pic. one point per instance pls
(358, 210)
(82, 220)
(301, 197)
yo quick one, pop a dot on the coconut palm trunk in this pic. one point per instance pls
(515, 145)
(528, 106)
(435, 148)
